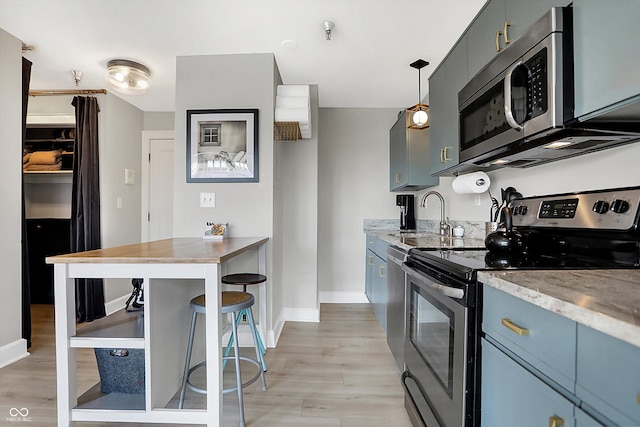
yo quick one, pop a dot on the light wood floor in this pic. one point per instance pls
(337, 373)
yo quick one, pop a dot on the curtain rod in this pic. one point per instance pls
(66, 92)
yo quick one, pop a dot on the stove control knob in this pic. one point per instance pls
(523, 210)
(619, 206)
(601, 207)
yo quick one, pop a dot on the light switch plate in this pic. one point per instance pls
(129, 176)
(207, 200)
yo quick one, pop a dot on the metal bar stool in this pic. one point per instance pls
(245, 279)
(234, 303)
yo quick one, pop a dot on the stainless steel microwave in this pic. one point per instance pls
(518, 110)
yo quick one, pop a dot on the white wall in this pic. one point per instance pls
(12, 346)
(353, 181)
(229, 81)
(616, 167)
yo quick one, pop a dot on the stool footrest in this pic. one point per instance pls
(251, 380)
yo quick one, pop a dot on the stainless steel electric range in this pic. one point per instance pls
(587, 230)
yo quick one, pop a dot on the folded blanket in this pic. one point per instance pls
(45, 157)
(42, 168)
(25, 158)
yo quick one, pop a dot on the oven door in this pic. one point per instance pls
(436, 347)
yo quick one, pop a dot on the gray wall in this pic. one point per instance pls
(353, 181)
(12, 346)
(120, 125)
(297, 177)
(229, 81)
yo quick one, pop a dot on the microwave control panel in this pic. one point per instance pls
(606, 210)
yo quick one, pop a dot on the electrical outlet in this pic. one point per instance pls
(207, 200)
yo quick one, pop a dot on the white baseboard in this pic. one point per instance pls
(292, 314)
(342, 297)
(274, 335)
(13, 352)
(116, 304)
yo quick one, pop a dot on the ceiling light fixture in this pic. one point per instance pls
(77, 76)
(417, 116)
(328, 27)
(128, 77)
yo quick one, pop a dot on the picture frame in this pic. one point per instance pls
(222, 145)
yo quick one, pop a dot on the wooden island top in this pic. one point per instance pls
(177, 250)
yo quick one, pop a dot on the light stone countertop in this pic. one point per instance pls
(424, 239)
(605, 300)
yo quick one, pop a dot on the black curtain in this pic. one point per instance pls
(26, 282)
(85, 204)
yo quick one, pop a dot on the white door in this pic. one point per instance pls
(158, 193)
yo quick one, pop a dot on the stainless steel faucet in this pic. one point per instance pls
(445, 227)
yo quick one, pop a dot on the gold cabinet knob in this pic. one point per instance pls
(555, 421)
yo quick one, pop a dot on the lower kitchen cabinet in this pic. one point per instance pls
(512, 396)
(608, 376)
(376, 278)
(537, 365)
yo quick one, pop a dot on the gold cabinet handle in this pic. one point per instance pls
(443, 155)
(638, 398)
(555, 421)
(515, 328)
(498, 34)
(370, 260)
(505, 32)
(398, 178)
(381, 271)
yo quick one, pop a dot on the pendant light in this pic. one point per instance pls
(128, 77)
(417, 116)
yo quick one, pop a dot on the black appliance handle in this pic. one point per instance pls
(508, 114)
(445, 290)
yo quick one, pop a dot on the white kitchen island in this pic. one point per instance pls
(174, 271)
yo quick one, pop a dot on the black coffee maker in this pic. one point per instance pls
(407, 211)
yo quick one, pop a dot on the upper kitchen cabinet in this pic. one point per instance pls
(498, 24)
(444, 85)
(408, 157)
(606, 62)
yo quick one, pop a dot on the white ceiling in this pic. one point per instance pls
(365, 64)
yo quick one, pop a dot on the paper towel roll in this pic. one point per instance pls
(476, 182)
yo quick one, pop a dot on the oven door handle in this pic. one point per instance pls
(445, 290)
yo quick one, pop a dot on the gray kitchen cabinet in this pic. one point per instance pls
(444, 85)
(537, 364)
(408, 158)
(512, 396)
(376, 277)
(606, 61)
(608, 376)
(498, 24)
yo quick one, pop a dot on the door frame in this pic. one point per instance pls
(147, 137)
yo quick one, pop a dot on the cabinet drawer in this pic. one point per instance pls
(512, 396)
(608, 376)
(377, 246)
(548, 340)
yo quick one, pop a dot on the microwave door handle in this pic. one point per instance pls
(508, 113)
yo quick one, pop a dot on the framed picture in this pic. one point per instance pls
(222, 145)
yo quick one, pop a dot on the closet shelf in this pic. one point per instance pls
(48, 177)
